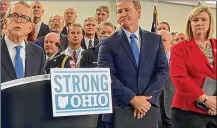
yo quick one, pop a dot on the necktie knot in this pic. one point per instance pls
(18, 48)
(90, 44)
(132, 36)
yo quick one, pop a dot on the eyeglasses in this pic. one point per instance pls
(54, 20)
(23, 18)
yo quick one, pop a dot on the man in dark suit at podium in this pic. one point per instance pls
(139, 70)
(19, 58)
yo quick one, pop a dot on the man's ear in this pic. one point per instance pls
(139, 13)
(42, 11)
(4, 23)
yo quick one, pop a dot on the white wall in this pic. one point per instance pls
(174, 14)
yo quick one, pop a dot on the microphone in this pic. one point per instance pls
(59, 46)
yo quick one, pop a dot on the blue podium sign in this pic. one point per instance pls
(81, 91)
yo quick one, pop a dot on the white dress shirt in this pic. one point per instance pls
(12, 51)
(38, 26)
(138, 38)
(87, 42)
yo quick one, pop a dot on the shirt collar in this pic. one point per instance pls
(39, 23)
(11, 44)
(71, 51)
(87, 39)
(128, 33)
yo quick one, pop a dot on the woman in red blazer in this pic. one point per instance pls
(191, 61)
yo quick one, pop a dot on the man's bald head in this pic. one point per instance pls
(49, 43)
(167, 39)
(166, 36)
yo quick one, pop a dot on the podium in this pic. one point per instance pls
(27, 103)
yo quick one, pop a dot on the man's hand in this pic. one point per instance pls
(141, 104)
(138, 114)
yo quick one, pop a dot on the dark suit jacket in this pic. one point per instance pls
(43, 31)
(89, 58)
(64, 31)
(128, 79)
(63, 41)
(83, 45)
(57, 61)
(34, 63)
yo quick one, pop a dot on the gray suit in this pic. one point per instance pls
(165, 105)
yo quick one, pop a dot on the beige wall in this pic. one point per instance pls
(174, 14)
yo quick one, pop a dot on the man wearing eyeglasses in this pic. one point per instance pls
(56, 24)
(19, 57)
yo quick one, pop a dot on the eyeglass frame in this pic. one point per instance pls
(22, 17)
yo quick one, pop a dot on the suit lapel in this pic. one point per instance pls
(96, 41)
(143, 48)
(214, 51)
(6, 60)
(40, 33)
(79, 57)
(28, 61)
(83, 45)
(126, 45)
(198, 52)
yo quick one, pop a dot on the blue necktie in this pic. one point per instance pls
(134, 48)
(18, 63)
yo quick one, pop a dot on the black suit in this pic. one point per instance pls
(63, 41)
(34, 63)
(89, 58)
(57, 61)
(83, 45)
(43, 31)
(64, 31)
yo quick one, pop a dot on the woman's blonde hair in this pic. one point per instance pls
(193, 13)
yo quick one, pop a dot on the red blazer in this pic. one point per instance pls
(188, 69)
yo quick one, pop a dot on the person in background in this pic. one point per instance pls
(70, 16)
(90, 27)
(168, 91)
(5, 4)
(32, 36)
(74, 49)
(55, 59)
(56, 24)
(163, 26)
(191, 61)
(89, 58)
(179, 37)
(138, 65)
(41, 28)
(102, 13)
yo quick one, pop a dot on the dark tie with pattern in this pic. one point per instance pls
(90, 44)
(74, 56)
(18, 63)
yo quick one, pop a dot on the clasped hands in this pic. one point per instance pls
(141, 105)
